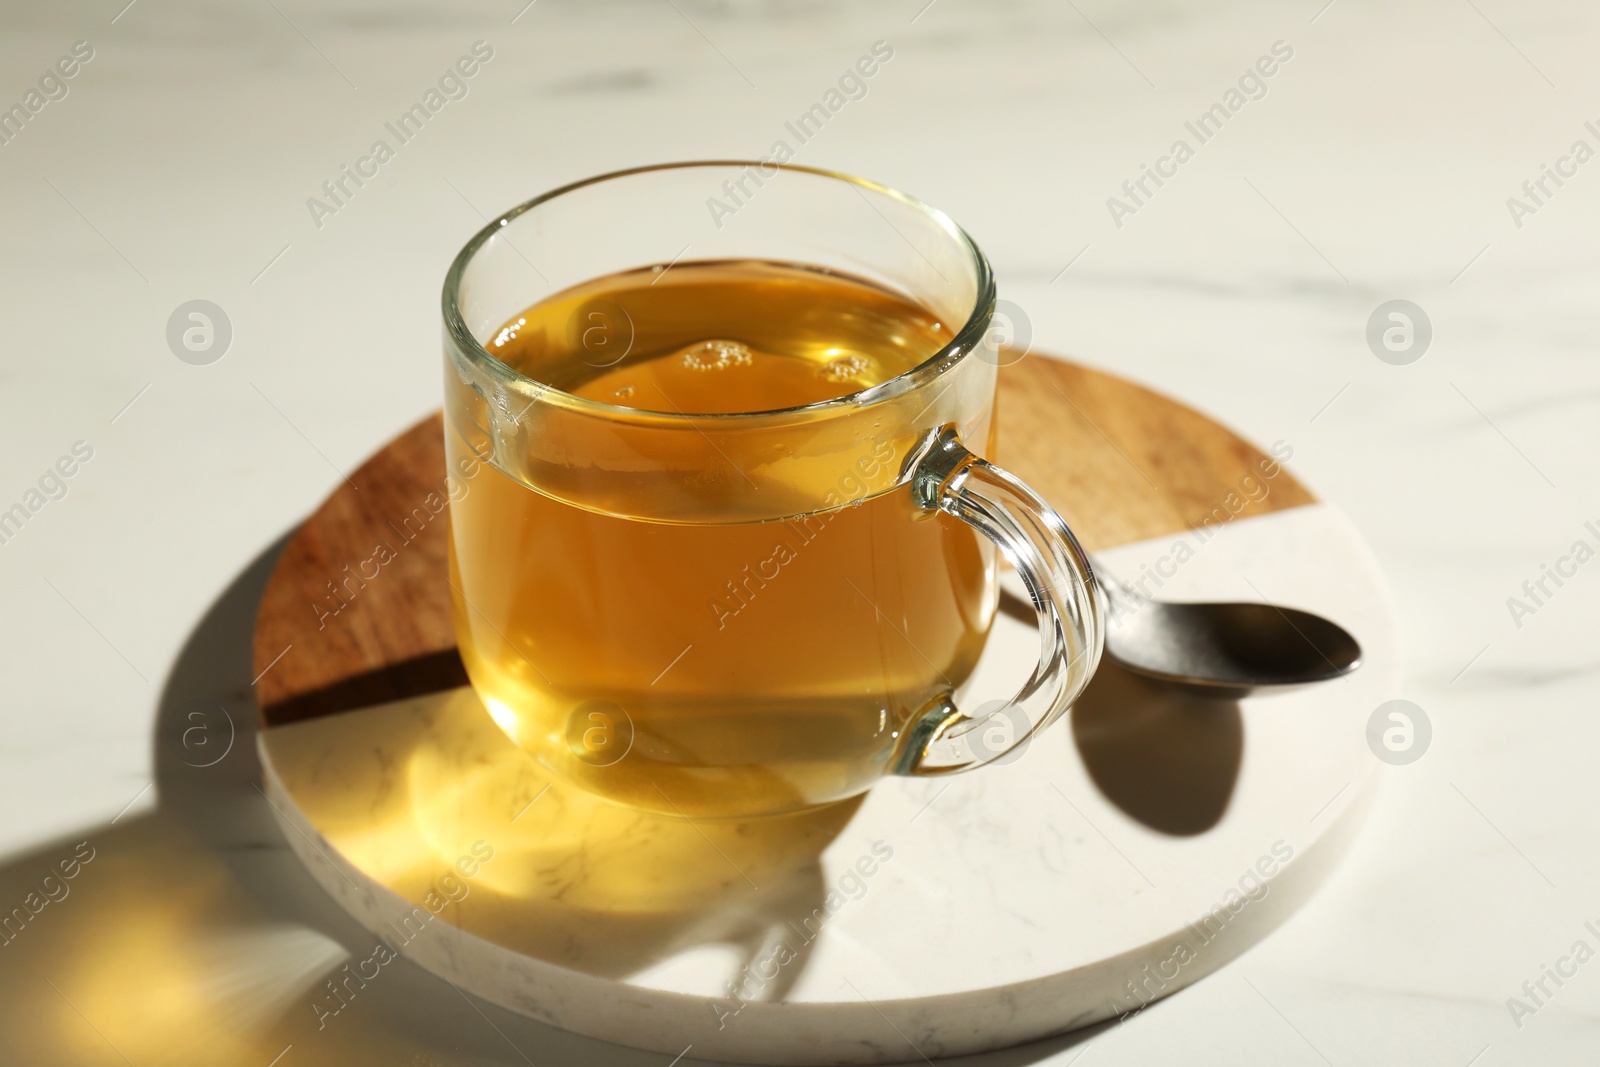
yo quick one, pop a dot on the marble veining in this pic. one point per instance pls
(178, 167)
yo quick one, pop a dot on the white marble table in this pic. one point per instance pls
(178, 164)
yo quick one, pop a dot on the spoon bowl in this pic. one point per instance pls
(1228, 649)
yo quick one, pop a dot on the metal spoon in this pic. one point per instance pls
(1222, 650)
(1225, 649)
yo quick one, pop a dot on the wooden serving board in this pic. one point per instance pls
(1122, 463)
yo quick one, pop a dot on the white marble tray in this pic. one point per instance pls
(1127, 853)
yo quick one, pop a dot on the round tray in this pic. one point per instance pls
(1128, 852)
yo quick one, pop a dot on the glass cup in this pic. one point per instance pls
(729, 615)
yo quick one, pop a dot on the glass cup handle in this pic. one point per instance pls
(1060, 582)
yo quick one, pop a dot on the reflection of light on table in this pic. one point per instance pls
(182, 988)
(158, 952)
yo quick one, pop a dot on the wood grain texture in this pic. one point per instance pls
(1123, 463)
(357, 611)
(345, 629)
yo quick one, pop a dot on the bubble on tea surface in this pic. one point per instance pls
(715, 355)
(845, 368)
(622, 394)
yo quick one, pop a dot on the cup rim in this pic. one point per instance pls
(946, 358)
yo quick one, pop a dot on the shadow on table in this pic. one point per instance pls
(1166, 757)
(192, 935)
